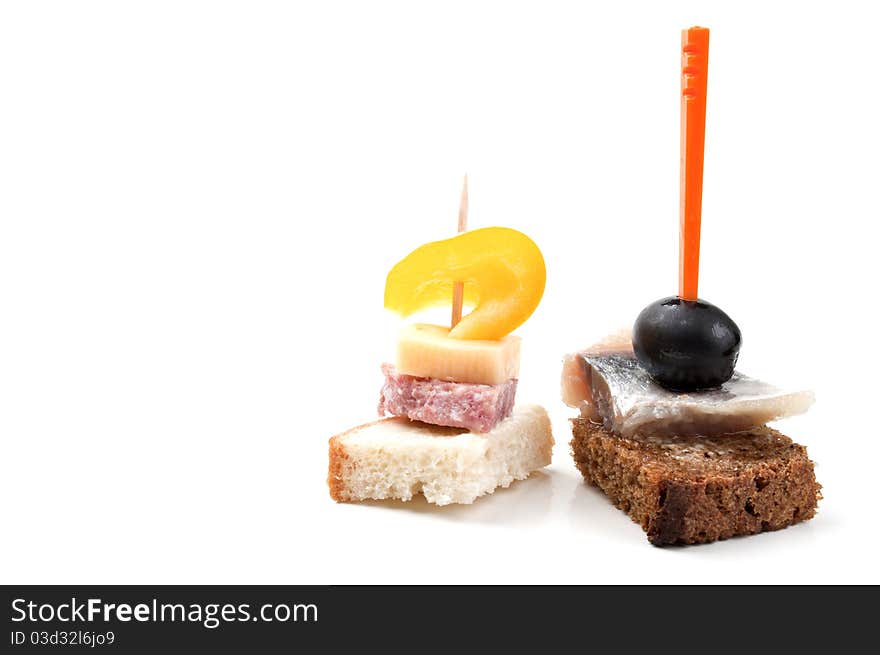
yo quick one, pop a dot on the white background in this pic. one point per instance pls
(199, 203)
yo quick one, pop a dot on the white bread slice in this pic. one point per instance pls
(398, 458)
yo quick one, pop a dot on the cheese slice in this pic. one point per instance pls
(427, 351)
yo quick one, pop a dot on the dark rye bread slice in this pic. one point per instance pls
(689, 490)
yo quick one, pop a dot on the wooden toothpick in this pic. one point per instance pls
(458, 287)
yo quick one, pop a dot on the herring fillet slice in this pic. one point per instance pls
(607, 385)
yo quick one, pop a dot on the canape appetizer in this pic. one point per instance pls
(454, 433)
(669, 430)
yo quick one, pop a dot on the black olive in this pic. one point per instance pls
(686, 345)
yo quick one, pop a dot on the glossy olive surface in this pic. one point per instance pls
(686, 345)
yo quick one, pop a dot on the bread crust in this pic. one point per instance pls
(335, 479)
(688, 490)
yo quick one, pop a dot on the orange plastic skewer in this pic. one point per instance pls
(458, 287)
(694, 70)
